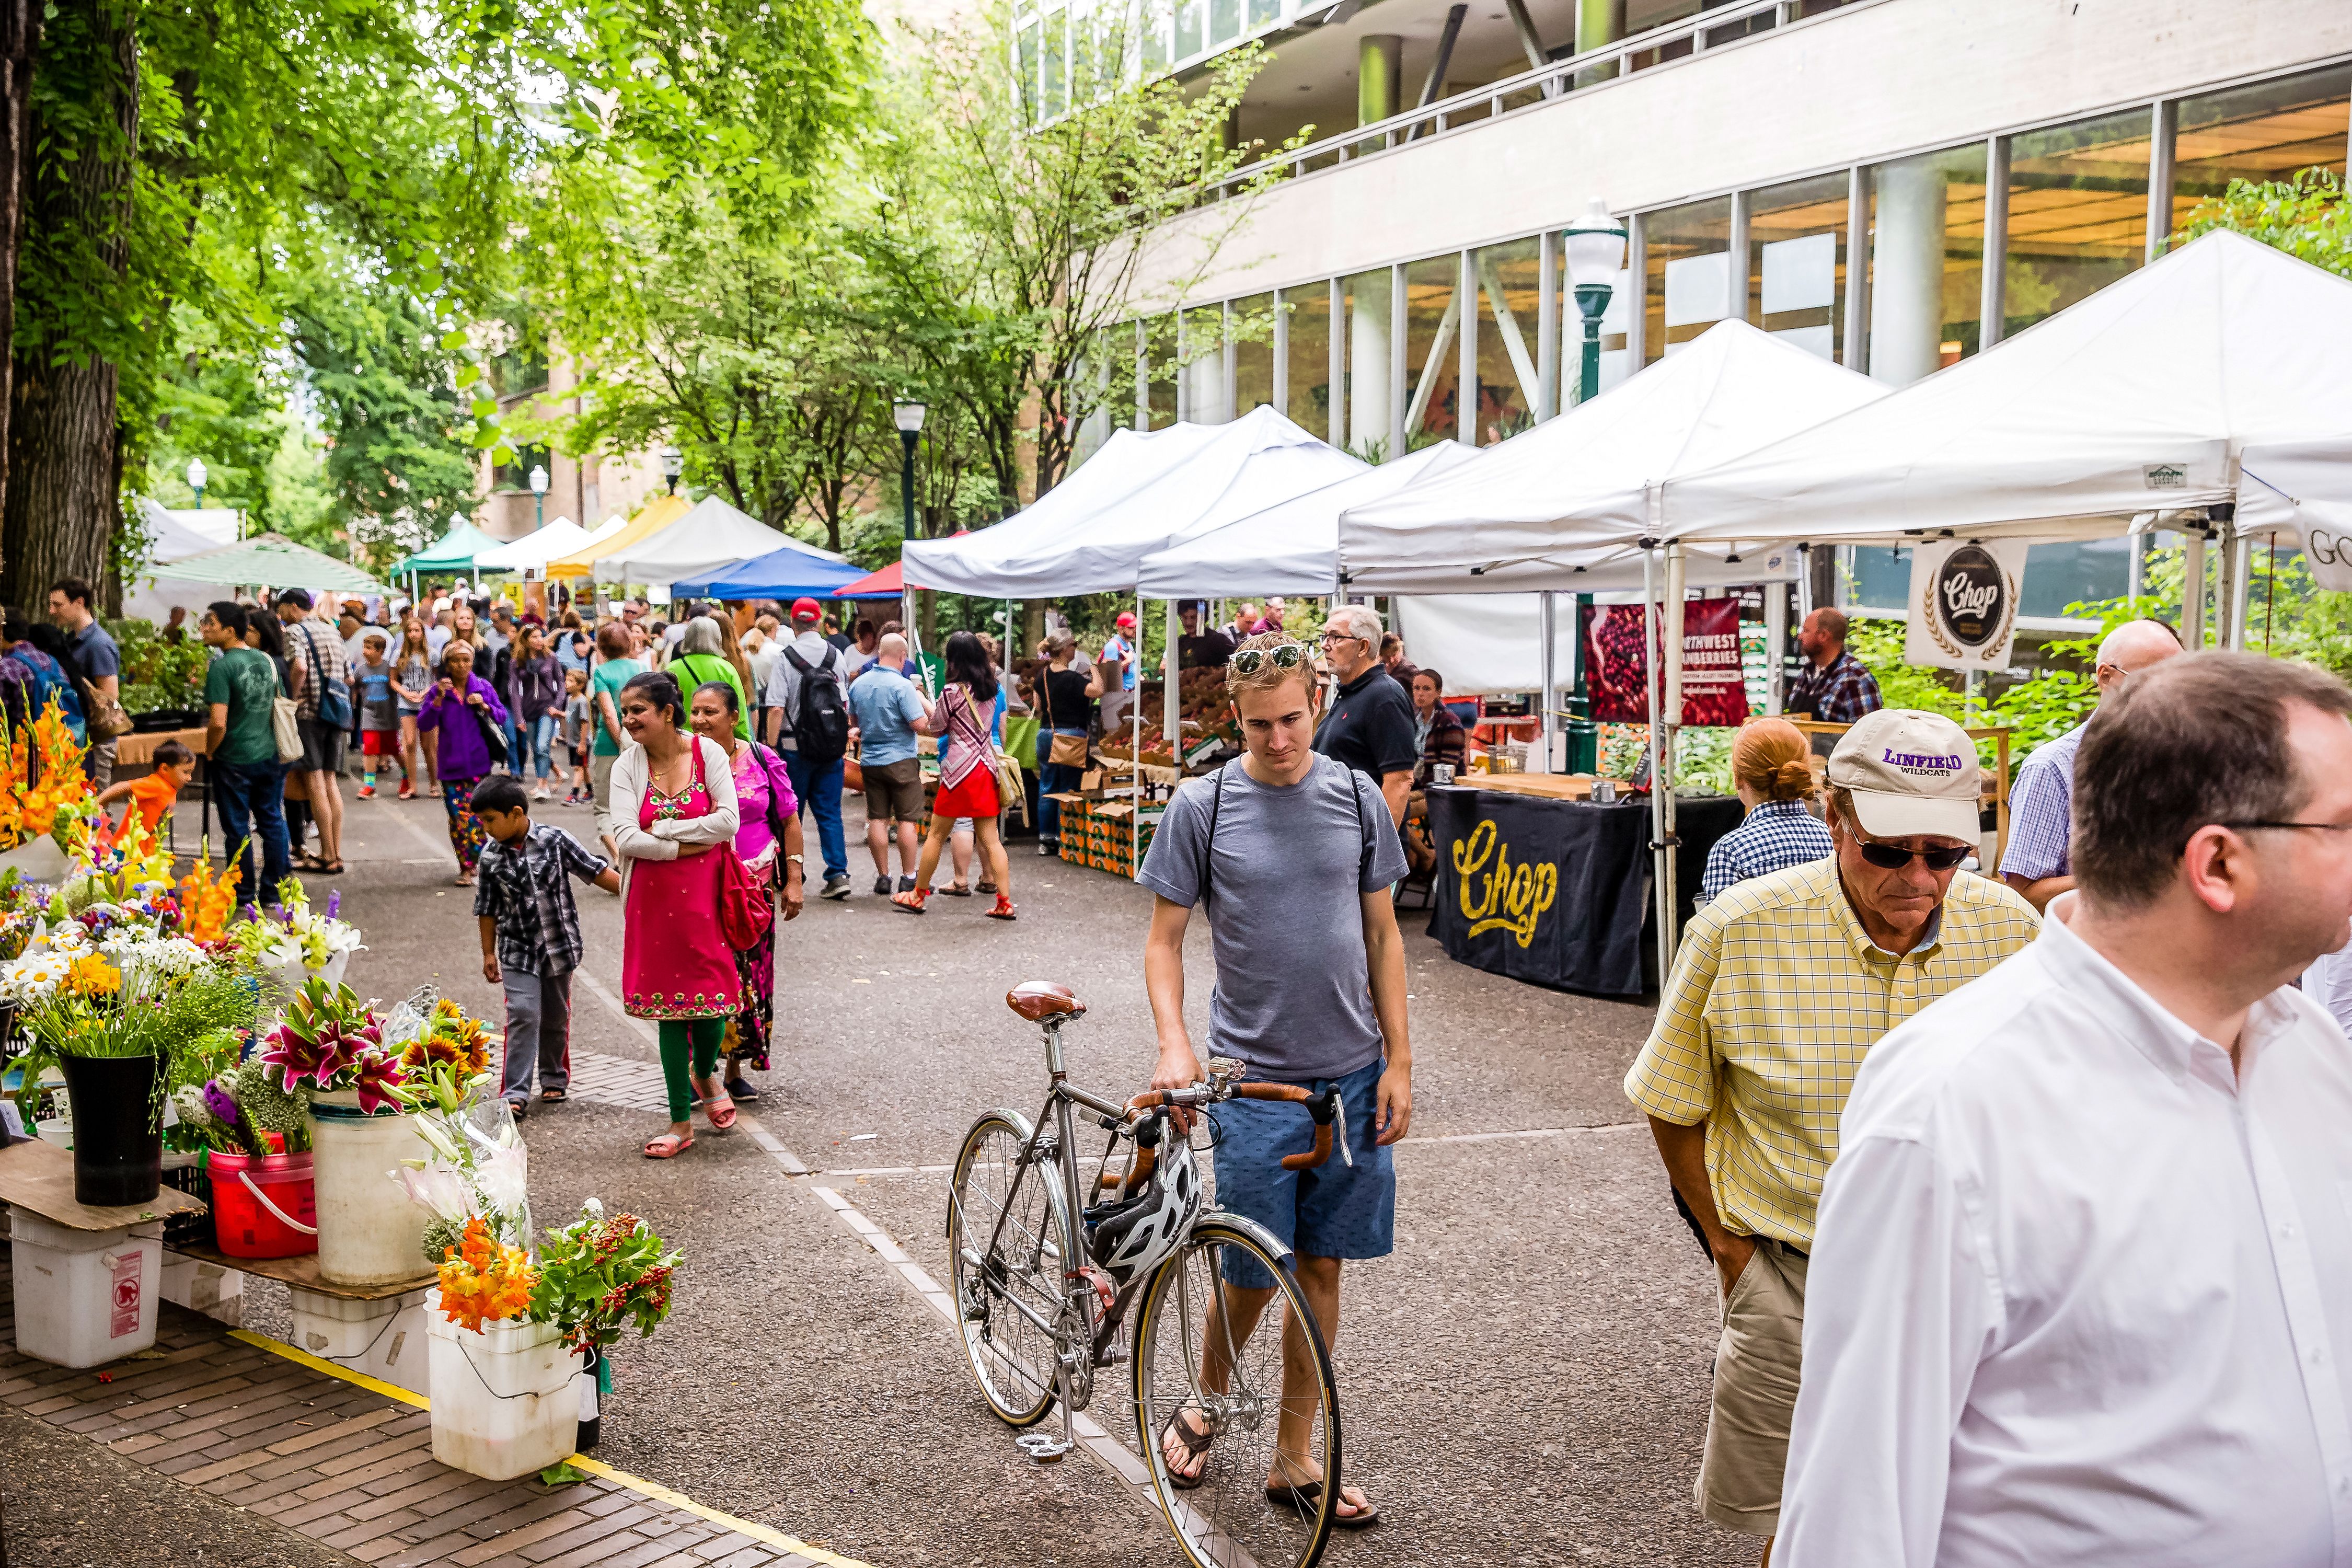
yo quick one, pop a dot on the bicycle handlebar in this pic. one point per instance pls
(1325, 1109)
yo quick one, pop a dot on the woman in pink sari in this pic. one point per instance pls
(674, 814)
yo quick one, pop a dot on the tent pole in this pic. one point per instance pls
(1659, 885)
(1170, 670)
(2193, 590)
(1135, 771)
(1776, 638)
(1663, 782)
(1548, 629)
(2241, 566)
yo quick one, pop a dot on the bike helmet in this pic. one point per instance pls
(1131, 1239)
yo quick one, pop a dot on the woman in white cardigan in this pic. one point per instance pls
(674, 804)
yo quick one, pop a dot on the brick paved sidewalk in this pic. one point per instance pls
(353, 1468)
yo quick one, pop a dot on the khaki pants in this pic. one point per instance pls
(1756, 1364)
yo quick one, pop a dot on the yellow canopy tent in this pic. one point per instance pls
(659, 513)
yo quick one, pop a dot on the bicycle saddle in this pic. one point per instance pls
(1037, 1000)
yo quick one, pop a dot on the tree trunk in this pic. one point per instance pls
(64, 465)
(20, 29)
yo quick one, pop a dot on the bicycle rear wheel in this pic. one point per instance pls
(1007, 1277)
(1197, 1362)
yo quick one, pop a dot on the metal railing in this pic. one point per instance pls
(1689, 38)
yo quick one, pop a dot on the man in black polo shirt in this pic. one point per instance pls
(1370, 725)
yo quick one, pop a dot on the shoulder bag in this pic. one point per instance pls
(284, 726)
(494, 739)
(334, 692)
(1067, 751)
(744, 912)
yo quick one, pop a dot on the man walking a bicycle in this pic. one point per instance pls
(1291, 856)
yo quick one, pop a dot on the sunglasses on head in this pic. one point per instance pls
(1285, 655)
(1894, 857)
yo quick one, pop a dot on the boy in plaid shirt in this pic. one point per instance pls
(531, 933)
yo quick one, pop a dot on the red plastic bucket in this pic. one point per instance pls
(263, 1207)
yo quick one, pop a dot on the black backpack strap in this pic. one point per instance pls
(1209, 840)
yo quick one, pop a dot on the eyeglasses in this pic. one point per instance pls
(2315, 826)
(1894, 857)
(1344, 636)
(1285, 655)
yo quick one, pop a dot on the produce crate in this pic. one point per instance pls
(181, 1229)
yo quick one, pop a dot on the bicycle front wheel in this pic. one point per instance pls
(1247, 1367)
(1008, 1233)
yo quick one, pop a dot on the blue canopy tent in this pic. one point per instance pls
(785, 573)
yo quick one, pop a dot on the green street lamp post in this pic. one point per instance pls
(1596, 251)
(539, 495)
(907, 414)
(197, 474)
(673, 464)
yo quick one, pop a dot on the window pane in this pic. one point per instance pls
(1188, 27)
(1688, 289)
(2267, 131)
(2077, 213)
(1796, 263)
(1032, 40)
(1225, 21)
(1055, 97)
(1205, 366)
(1365, 298)
(1264, 12)
(1431, 359)
(1508, 310)
(1155, 21)
(1251, 323)
(1927, 262)
(1310, 377)
(1159, 349)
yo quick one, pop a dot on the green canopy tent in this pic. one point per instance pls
(454, 551)
(276, 561)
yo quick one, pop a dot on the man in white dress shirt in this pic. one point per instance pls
(2082, 1287)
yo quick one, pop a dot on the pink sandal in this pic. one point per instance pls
(668, 1146)
(721, 1111)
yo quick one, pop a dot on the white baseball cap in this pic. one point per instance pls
(1909, 772)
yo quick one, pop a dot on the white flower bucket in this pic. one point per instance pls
(504, 1401)
(369, 1232)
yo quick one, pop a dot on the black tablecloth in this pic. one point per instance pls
(1557, 892)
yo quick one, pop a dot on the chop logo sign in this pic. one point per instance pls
(1973, 597)
(1922, 765)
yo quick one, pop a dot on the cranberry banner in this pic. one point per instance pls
(1615, 671)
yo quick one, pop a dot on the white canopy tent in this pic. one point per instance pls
(531, 553)
(1290, 547)
(2213, 377)
(1091, 532)
(1548, 507)
(173, 536)
(710, 536)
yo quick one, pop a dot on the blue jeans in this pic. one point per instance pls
(252, 799)
(542, 746)
(1052, 778)
(820, 794)
(516, 760)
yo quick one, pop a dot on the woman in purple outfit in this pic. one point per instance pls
(462, 758)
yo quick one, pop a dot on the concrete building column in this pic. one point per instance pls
(1368, 336)
(1379, 77)
(1907, 283)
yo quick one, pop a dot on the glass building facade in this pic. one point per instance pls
(1899, 268)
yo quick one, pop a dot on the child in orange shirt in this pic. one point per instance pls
(151, 798)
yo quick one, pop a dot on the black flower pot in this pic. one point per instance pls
(595, 1381)
(118, 1146)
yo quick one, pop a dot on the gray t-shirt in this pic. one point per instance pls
(1286, 875)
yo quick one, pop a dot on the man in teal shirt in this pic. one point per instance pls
(241, 739)
(613, 669)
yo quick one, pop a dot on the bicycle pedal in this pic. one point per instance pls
(1042, 1447)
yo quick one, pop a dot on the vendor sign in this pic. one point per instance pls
(1616, 670)
(1963, 605)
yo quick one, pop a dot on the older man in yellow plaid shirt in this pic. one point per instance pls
(1784, 984)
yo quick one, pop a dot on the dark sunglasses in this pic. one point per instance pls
(1285, 655)
(1894, 857)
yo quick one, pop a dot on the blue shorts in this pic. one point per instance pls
(1333, 1210)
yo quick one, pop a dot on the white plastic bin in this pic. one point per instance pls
(504, 1400)
(369, 1233)
(383, 1338)
(84, 1298)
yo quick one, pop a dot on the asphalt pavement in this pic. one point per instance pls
(1523, 1381)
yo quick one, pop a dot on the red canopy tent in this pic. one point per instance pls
(887, 583)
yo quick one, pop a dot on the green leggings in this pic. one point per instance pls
(680, 1036)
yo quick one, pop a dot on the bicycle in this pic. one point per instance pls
(1041, 1315)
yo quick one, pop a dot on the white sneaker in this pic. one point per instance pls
(539, 794)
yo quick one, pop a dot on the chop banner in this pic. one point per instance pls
(1963, 606)
(1616, 667)
(1557, 892)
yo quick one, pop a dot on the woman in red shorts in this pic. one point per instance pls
(966, 773)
